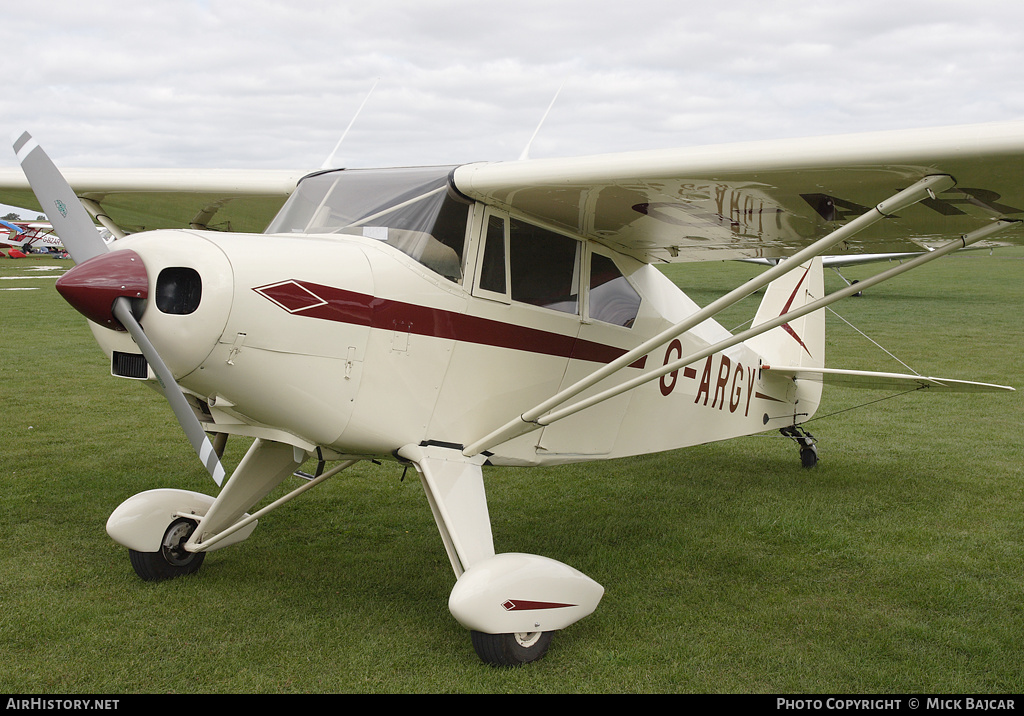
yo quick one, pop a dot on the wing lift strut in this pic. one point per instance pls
(555, 408)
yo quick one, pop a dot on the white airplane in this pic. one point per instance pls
(28, 235)
(22, 236)
(496, 313)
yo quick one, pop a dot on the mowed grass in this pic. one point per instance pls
(895, 566)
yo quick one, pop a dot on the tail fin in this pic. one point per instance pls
(801, 342)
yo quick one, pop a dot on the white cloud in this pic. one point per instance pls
(255, 83)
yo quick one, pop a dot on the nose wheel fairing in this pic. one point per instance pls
(140, 522)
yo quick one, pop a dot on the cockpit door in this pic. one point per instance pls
(610, 307)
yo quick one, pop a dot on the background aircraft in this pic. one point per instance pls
(38, 235)
(28, 235)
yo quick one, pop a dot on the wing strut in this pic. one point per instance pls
(99, 214)
(923, 189)
(757, 330)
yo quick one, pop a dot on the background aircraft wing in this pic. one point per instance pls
(15, 234)
(767, 199)
(141, 199)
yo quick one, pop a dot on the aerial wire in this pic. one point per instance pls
(526, 150)
(329, 161)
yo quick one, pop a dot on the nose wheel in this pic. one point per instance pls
(805, 441)
(172, 560)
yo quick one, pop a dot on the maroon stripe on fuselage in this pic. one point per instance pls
(335, 304)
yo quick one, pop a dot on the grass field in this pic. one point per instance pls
(895, 566)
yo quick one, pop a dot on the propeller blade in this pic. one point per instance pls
(186, 417)
(79, 235)
(70, 220)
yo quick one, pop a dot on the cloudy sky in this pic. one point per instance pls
(274, 84)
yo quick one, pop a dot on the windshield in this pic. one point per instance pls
(410, 209)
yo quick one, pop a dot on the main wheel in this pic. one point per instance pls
(511, 649)
(172, 560)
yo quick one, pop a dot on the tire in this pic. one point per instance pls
(511, 649)
(171, 561)
(808, 457)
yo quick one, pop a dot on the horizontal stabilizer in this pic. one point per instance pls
(883, 381)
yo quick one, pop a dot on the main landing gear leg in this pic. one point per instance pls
(808, 452)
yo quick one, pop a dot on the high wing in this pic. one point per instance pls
(134, 200)
(747, 200)
(767, 199)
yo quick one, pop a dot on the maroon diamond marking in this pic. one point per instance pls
(518, 605)
(291, 296)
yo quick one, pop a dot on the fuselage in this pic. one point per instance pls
(362, 335)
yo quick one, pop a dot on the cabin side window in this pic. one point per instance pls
(544, 267)
(612, 299)
(493, 274)
(528, 264)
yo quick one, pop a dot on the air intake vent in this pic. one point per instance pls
(129, 365)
